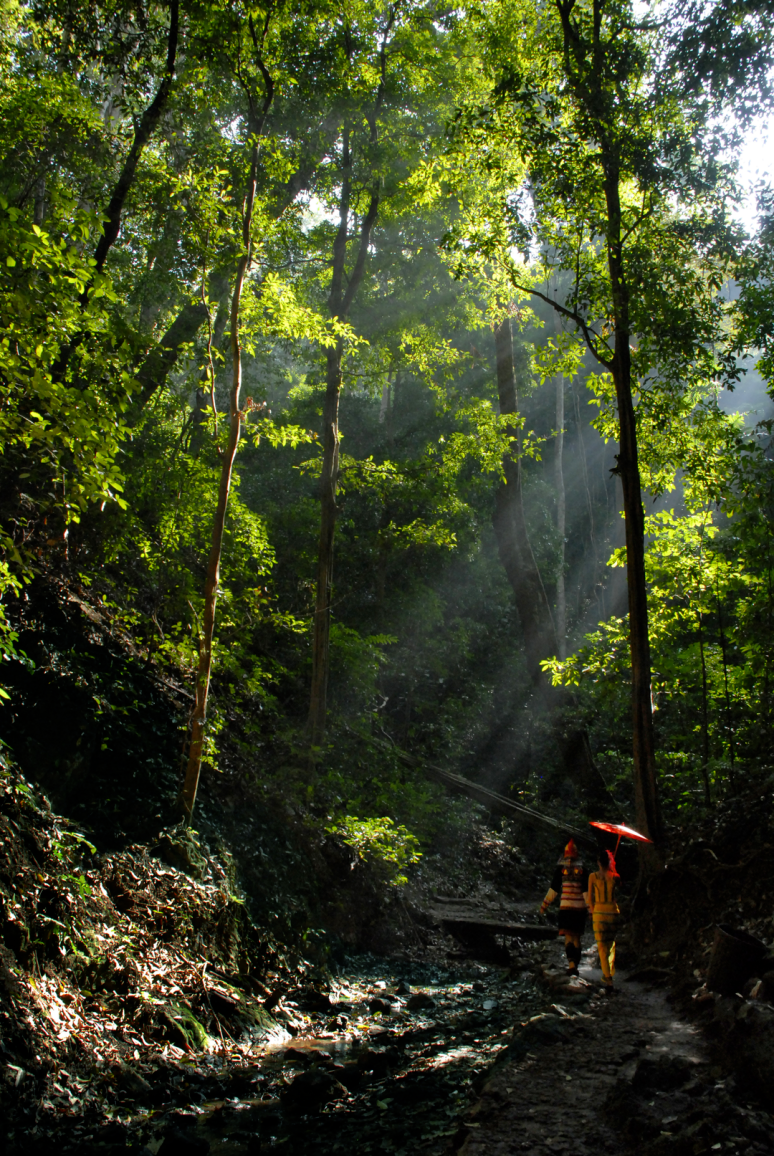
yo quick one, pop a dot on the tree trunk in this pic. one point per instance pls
(204, 401)
(704, 716)
(529, 593)
(143, 132)
(212, 579)
(647, 807)
(339, 303)
(510, 526)
(587, 67)
(318, 703)
(561, 513)
(729, 722)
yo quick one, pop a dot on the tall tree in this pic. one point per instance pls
(561, 518)
(383, 48)
(339, 303)
(258, 86)
(623, 194)
(510, 525)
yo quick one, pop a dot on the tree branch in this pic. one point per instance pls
(143, 132)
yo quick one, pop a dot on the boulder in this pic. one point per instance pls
(312, 1089)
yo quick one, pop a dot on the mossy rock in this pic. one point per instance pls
(182, 1028)
(258, 1022)
(182, 849)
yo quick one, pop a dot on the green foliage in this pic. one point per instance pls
(491, 193)
(380, 841)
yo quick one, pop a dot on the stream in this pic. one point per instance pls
(391, 1064)
(431, 1056)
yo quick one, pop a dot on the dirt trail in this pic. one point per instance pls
(597, 1075)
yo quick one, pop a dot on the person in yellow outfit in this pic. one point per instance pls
(600, 900)
(569, 882)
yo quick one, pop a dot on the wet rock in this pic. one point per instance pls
(379, 1005)
(308, 999)
(379, 1060)
(180, 1143)
(312, 1089)
(181, 1027)
(403, 989)
(349, 1074)
(296, 1056)
(337, 1024)
(419, 1000)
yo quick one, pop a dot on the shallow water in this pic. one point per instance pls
(410, 1074)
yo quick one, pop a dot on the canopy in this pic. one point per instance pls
(620, 830)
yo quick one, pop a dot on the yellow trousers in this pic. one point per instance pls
(607, 959)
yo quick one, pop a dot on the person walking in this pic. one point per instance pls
(604, 911)
(569, 882)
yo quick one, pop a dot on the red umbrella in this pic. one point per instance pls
(621, 831)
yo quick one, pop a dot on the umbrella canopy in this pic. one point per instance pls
(622, 831)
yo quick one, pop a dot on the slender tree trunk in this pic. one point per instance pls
(595, 585)
(339, 302)
(704, 716)
(212, 579)
(561, 515)
(532, 604)
(204, 401)
(384, 404)
(143, 132)
(318, 705)
(510, 525)
(647, 807)
(729, 724)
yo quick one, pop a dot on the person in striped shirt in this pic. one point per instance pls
(570, 882)
(604, 912)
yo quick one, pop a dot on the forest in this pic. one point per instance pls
(386, 491)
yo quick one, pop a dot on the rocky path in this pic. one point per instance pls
(597, 1075)
(437, 1055)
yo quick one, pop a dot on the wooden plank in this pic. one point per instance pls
(466, 926)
